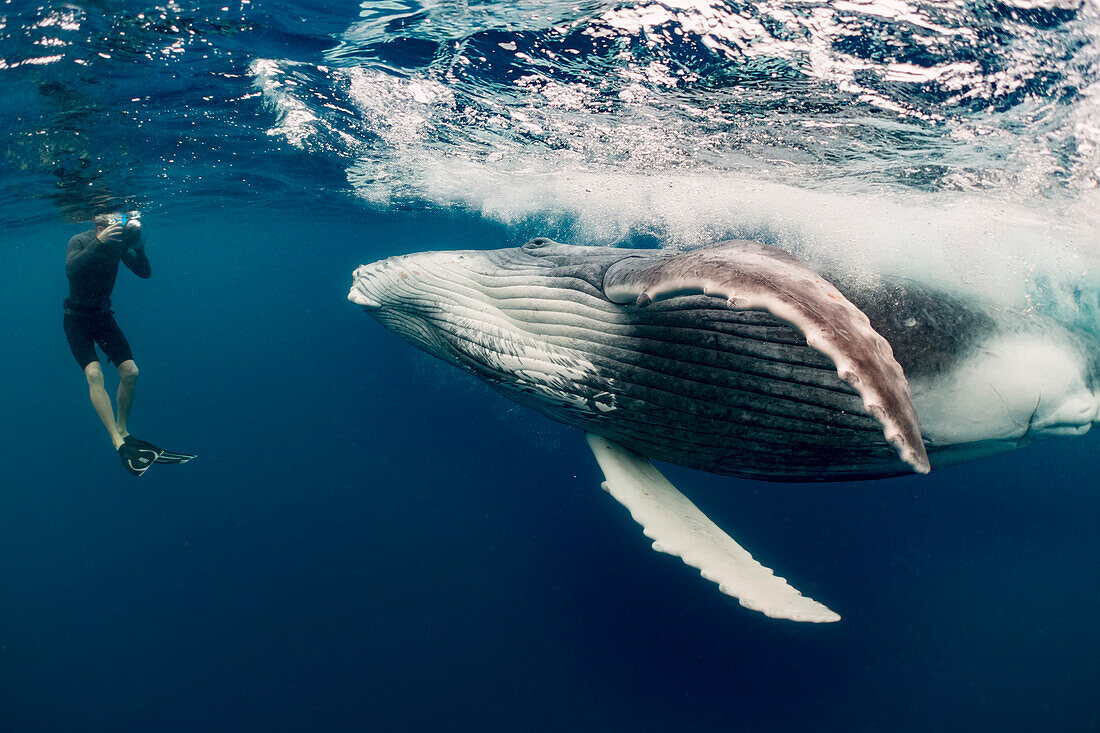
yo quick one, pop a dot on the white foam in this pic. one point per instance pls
(293, 118)
(967, 241)
(613, 180)
(558, 158)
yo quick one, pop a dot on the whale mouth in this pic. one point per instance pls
(360, 298)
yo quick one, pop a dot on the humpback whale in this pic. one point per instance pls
(737, 359)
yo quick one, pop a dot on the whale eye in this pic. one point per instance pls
(537, 243)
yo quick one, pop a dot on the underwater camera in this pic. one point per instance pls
(119, 217)
(131, 228)
(130, 221)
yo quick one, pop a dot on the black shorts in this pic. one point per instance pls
(85, 331)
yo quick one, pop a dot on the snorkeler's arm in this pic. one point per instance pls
(136, 260)
(82, 250)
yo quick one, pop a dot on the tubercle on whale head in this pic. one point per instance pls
(411, 295)
(394, 293)
(380, 283)
(360, 294)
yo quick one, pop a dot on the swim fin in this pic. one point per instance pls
(135, 459)
(138, 455)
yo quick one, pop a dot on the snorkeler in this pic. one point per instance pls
(91, 265)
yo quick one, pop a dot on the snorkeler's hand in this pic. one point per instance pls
(112, 234)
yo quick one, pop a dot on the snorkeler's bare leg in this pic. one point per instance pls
(127, 386)
(101, 401)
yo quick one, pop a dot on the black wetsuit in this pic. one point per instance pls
(92, 267)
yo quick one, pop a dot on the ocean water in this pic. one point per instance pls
(373, 540)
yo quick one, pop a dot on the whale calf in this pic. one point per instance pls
(736, 359)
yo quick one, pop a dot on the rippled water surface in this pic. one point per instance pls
(945, 96)
(370, 539)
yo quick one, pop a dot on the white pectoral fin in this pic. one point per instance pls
(755, 276)
(677, 527)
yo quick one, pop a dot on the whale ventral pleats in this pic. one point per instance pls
(754, 276)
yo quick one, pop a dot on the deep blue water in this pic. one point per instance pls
(371, 539)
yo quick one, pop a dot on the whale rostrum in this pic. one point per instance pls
(737, 359)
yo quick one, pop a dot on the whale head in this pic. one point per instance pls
(485, 311)
(415, 295)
